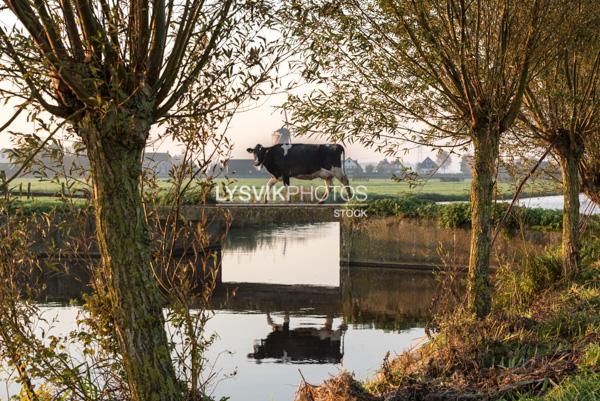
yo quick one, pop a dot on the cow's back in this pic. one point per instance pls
(302, 159)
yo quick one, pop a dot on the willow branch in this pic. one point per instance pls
(518, 193)
(33, 154)
(159, 40)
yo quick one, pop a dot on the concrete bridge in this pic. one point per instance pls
(249, 214)
(390, 242)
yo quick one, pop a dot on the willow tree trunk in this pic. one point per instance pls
(115, 143)
(482, 186)
(569, 165)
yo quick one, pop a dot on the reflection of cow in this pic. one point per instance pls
(306, 344)
(306, 162)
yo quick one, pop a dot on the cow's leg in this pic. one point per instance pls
(328, 183)
(286, 182)
(272, 181)
(341, 176)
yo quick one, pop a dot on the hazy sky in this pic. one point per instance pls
(256, 126)
(246, 130)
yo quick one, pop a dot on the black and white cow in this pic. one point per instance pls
(306, 162)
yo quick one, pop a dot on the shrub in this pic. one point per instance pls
(35, 206)
(518, 284)
(189, 197)
(408, 206)
(458, 215)
(455, 215)
(541, 271)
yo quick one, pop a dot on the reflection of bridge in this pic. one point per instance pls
(386, 298)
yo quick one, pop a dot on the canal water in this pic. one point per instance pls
(297, 313)
(557, 202)
(322, 337)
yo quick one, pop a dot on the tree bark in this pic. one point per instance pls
(569, 164)
(115, 143)
(486, 145)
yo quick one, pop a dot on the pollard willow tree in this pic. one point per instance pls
(425, 70)
(111, 70)
(561, 106)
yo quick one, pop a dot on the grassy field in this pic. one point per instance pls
(433, 189)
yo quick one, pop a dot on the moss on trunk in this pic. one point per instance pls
(570, 157)
(122, 230)
(486, 145)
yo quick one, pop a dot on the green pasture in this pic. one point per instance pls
(432, 189)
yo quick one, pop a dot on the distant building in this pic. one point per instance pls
(352, 167)
(177, 160)
(243, 168)
(7, 170)
(395, 167)
(6, 167)
(159, 162)
(427, 166)
(384, 167)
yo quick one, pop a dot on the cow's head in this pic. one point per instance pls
(259, 154)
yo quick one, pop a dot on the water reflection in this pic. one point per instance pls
(302, 344)
(284, 304)
(283, 254)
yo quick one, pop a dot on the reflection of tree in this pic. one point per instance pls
(249, 239)
(319, 345)
(386, 298)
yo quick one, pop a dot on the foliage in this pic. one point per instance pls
(591, 357)
(457, 215)
(40, 206)
(518, 285)
(393, 78)
(438, 73)
(406, 207)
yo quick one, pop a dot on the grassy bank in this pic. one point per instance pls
(541, 342)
